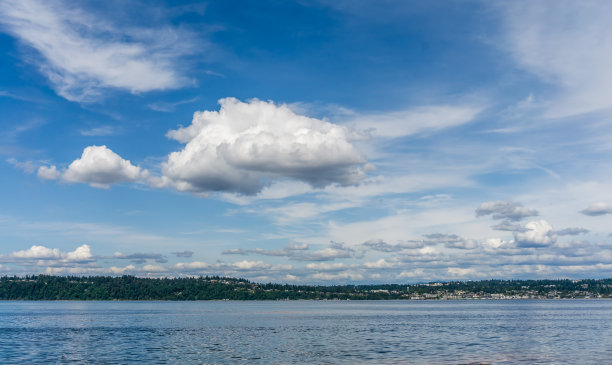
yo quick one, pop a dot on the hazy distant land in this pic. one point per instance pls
(44, 287)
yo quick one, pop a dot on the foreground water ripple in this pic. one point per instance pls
(393, 332)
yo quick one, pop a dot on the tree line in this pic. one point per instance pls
(46, 287)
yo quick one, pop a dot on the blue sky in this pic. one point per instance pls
(306, 141)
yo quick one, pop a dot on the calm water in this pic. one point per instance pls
(391, 332)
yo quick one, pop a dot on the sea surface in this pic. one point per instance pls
(307, 332)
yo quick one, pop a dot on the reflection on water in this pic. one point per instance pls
(441, 332)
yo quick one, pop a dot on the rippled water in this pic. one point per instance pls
(413, 332)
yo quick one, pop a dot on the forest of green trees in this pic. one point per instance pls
(45, 287)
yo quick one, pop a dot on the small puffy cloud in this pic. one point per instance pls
(335, 251)
(325, 266)
(48, 172)
(153, 269)
(597, 209)
(183, 253)
(26, 166)
(81, 253)
(234, 251)
(416, 273)
(463, 244)
(382, 246)
(380, 264)
(245, 145)
(36, 252)
(538, 234)
(249, 265)
(140, 258)
(572, 231)
(460, 272)
(344, 275)
(100, 167)
(291, 250)
(191, 266)
(506, 210)
(293, 246)
(105, 130)
(122, 270)
(496, 243)
(449, 240)
(508, 226)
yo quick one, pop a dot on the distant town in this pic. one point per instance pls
(46, 287)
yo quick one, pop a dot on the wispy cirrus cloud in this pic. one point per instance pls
(423, 119)
(82, 54)
(568, 45)
(105, 130)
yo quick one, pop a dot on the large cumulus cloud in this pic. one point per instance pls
(245, 145)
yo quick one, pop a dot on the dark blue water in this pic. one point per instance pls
(389, 332)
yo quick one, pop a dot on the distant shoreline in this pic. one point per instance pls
(294, 300)
(125, 288)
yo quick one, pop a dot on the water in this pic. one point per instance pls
(320, 332)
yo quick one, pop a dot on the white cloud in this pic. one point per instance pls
(190, 266)
(597, 209)
(26, 166)
(538, 234)
(185, 253)
(249, 265)
(417, 120)
(566, 43)
(495, 243)
(100, 167)
(122, 270)
(234, 251)
(380, 264)
(81, 54)
(382, 246)
(48, 172)
(299, 212)
(105, 130)
(292, 249)
(169, 107)
(324, 266)
(38, 252)
(416, 273)
(403, 225)
(351, 275)
(505, 210)
(572, 231)
(81, 253)
(244, 146)
(461, 272)
(334, 251)
(153, 269)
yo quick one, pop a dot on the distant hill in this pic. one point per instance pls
(45, 287)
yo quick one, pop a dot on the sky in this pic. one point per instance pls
(318, 142)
